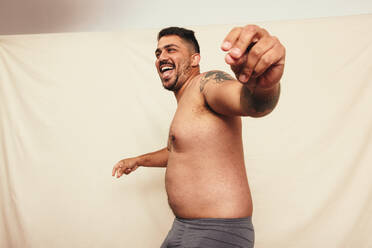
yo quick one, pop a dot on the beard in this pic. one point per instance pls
(171, 86)
(174, 84)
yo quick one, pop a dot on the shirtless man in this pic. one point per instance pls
(205, 178)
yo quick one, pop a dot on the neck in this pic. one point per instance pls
(178, 94)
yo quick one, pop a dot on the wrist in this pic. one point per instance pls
(139, 161)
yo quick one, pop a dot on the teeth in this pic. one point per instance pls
(166, 68)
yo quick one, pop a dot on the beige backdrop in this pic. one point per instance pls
(72, 105)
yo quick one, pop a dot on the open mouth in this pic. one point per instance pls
(166, 70)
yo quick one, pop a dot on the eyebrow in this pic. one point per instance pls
(166, 46)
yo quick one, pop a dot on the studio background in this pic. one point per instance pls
(73, 103)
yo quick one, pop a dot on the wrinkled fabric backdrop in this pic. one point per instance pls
(74, 104)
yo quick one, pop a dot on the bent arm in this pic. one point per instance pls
(227, 96)
(154, 159)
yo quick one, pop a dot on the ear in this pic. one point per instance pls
(195, 59)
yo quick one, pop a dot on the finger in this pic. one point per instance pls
(230, 39)
(117, 167)
(114, 169)
(119, 171)
(273, 57)
(229, 60)
(257, 51)
(239, 62)
(248, 35)
(245, 75)
(127, 171)
(237, 65)
(242, 43)
(271, 76)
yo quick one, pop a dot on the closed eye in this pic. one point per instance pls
(169, 48)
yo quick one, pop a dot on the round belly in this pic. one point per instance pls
(208, 190)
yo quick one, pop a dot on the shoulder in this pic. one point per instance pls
(214, 77)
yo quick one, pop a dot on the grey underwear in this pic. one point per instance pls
(210, 233)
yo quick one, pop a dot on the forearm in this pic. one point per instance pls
(154, 159)
(258, 102)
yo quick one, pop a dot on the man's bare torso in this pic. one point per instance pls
(205, 176)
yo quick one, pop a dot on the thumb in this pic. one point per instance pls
(245, 75)
(131, 169)
(127, 171)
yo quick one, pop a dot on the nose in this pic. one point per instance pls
(163, 56)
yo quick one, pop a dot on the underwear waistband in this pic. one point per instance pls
(241, 220)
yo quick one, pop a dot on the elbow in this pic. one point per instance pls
(261, 109)
(260, 114)
(264, 106)
(258, 104)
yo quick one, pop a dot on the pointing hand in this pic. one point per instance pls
(253, 53)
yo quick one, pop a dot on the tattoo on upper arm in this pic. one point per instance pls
(258, 105)
(214, 76)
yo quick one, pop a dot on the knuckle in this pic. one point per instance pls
(250, 28)
(254, 26)
(265, 31)
(247, 29)
(279, 49)
(256, 52)
(275, 39)
(240, 42)
(245, 36)
(266, 60)
(235, 29)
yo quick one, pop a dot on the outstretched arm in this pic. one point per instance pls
(257, 60)
(153, 159)
(227, 96)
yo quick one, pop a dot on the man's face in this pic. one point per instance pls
(173, 61)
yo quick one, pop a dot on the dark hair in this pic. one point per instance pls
(185, 34)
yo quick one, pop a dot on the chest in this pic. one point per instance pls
(194, 125)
